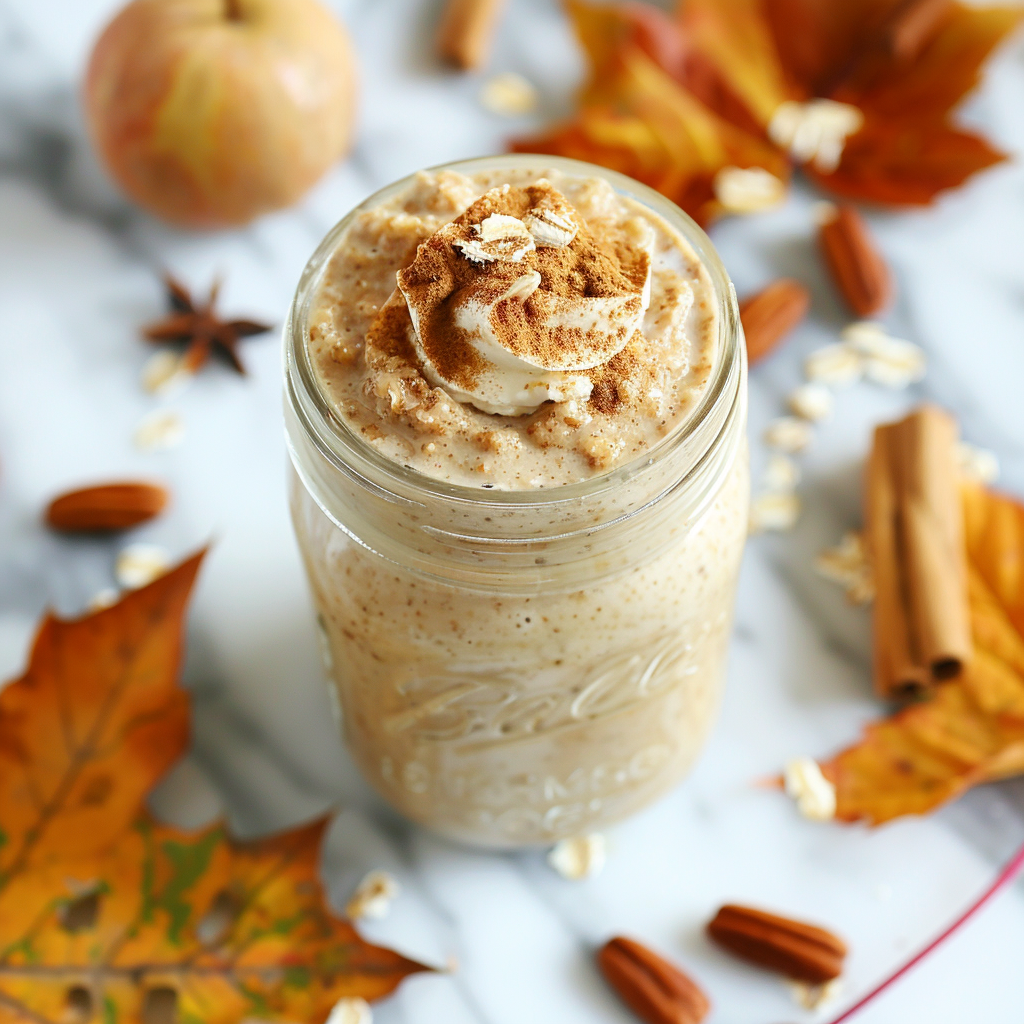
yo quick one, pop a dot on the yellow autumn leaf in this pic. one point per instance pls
(972, 729)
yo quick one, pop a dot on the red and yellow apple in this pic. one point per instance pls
(211, 112)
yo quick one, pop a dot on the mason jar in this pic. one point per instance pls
(514, 667)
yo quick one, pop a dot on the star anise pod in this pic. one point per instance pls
(199, 326)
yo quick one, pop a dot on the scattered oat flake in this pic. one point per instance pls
(140, 564)
(788, 434)
(165, 373)
(104, 598)
(837, 365)
(509, 95)
(862, 592)
(978, 464)
(815, 997)
(896, 373)
(847, 564)
(748, 189)
(865, 336)
(891, 362)
(580, 857)
(824, 212)
(815, 131)
(159, 431)
(373, 896)
(774, 511)
(815, 796)
(811, 402)
(86, 866)
(351, 1010)
(781, 474)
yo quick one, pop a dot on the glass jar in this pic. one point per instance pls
(516, 667)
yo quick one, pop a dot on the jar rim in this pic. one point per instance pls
(343, 447)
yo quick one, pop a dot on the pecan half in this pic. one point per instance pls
(800, 951)
(771, 314)
(106, 507)
(655, 990)
(858, 268)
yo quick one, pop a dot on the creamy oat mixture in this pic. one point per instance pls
(505, 331)
(513, 329)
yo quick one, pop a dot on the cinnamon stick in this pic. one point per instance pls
(465, 32)
(897, 670)
(915, 541)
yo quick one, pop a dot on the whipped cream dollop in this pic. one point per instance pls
(512, 303)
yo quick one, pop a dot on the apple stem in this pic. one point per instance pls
(233, 10)
(1004, 878)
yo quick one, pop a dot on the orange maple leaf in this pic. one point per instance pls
(972, 730)
(909, 148)
(637, 118)
(95, 720)
(673, 101)
(108, 914)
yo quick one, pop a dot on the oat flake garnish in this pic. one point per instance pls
(508, 95)
(977, 464)
(140, 564)
(580, 857)
(815, 131)
(815, 997)
(811, 402)
(781, 474)
(847, 564)
(164, 373)
(891, 362)
(774, 512)
(788, 434)
(373, 896)
(836, 365)
(497, 237)
(815, 796)
(748, 189)
(105, 598)
(159, 431)
(351, 1010)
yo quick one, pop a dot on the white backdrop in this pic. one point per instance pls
(78, 274)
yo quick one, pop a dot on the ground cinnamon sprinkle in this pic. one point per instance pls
(390, 333)
(547, 328)
(608, 379)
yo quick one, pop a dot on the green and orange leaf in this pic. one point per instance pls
(222, 932)
(106, 914)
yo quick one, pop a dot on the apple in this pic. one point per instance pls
(211, 112)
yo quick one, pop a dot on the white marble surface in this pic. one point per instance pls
(78, 273)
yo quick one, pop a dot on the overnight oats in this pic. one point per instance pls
(516, 400)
